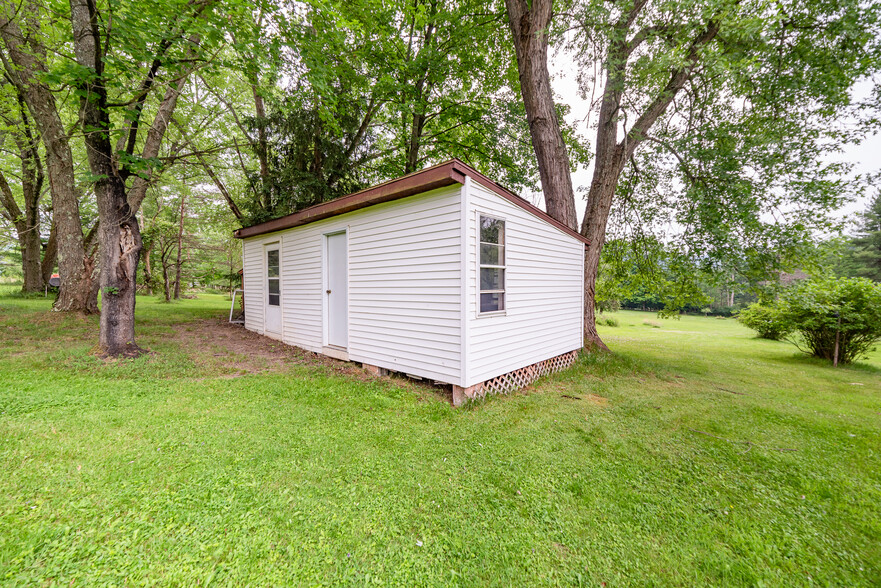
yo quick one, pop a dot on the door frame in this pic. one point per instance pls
(333, 350)
(277, 244)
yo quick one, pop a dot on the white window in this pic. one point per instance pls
(272, 276)
(492, 264)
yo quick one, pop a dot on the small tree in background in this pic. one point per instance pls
(821, 310)
(768, 321)
(867, 242)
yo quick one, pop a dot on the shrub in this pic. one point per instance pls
(608, 321)
(820, 308)
(768, 321)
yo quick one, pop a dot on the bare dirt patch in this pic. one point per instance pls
(215, 341)
(232, 351)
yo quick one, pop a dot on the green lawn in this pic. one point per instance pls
(183, 467)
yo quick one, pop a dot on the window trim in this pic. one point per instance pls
(504, 267)
(274, 246)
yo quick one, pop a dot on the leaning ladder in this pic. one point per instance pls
(240, 319)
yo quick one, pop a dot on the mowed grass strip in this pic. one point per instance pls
(695, 454)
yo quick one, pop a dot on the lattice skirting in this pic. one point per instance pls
(524, 376)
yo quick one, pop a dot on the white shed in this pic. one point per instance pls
(441, 274)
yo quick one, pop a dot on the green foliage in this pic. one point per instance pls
(377, 90)
(866, 251)
(309, 162)
(822, 310)
(644, 272)
(768, 321)
(740, 164)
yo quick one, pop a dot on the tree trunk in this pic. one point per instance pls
(148, 270)
(119, 233)
(529, 29)
(165, 251)
(50, 254)
(417, 124)
(27, 230)
(180, 246)
(599, 202)
(29, 59)
(413, 145)
(93, 268)
(31, 248)
(28, 224)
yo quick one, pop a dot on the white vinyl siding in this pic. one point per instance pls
(404, 284)
(252, 283)
(543, 291)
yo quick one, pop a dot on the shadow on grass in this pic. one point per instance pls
(804, 360)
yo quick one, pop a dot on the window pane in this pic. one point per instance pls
(274, 286)
(492, 301)
(492, 230)
(492, 254)
(272, 263)
(492, 278)
(274, 300)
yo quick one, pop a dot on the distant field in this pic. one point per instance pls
(693, 455)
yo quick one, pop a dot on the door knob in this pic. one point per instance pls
(328, 291)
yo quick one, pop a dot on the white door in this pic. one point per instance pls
(337, 292)
(272, 313)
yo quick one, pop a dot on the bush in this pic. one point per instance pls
(608, 321)
(815, 307)
(768, 321)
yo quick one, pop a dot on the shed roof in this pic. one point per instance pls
(444, 174)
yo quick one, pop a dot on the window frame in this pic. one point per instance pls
(269, 247)
(503, 266)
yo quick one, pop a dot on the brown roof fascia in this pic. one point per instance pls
(438, 176)
(427, 179)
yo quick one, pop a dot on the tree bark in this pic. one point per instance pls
(32, 245)
(50, 254)
(27, 63)
(148, 269)
(164, 252)
(27, 228)
(417, 124)
(180, 246)
(28, 237)
(529, 22)
(32, 188)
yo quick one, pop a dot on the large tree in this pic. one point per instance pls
(739, 100)
(173, 38)
(30, 178)
(26, 66)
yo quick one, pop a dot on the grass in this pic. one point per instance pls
(626, 469)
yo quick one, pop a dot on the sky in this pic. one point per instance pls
(866, 157)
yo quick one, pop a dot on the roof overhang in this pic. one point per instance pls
(438, 176)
